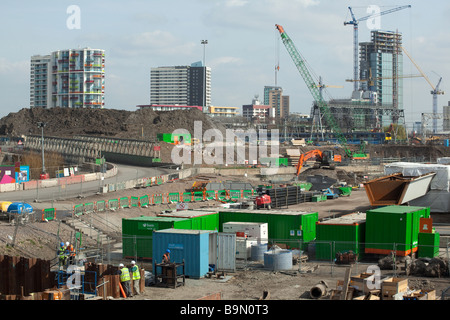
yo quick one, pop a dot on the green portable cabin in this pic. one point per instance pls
(428, 245)
(174, 138)
(292, 228)
(200, 220)
(137, 234)
(394, 228)
(343, 234)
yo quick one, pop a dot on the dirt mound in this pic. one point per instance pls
(67, 122)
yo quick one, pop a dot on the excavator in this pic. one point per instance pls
(324, 159)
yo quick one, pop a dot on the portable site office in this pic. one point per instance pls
(394, 228)
(137, 234)
(198, 249)
(200, 220)
(343, 234)
(290, 228)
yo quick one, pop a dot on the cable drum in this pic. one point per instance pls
(278, 260)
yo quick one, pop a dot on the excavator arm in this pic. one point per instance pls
(306, 156)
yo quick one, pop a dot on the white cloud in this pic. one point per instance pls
(217, 62)
(236, 3)
(14, 67)
(159, 43)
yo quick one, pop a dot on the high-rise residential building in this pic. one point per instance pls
(75, 79)
(40, 82)
(181, 85)
(381, 61)
(273, 96)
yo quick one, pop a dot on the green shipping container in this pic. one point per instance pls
(200, 220)
(428, 245)
(343, 234)
(137, 233)
(284, 227)
(394, 228)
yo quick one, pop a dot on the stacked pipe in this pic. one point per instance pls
(290, 195)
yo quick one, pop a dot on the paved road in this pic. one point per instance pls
(124, 173)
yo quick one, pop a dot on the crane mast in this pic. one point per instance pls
(313, 87)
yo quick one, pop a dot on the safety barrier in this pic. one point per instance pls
(144, 201)
(134, 201)
(100, 206)
(124, 202)
(48, 214)
(173, 197)
(155, 199)
(78, 209)
(113, 204)
(89, 207)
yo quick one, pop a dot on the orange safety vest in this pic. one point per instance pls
(166, 257)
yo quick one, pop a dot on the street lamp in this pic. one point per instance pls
(204, 43)
(44, 174)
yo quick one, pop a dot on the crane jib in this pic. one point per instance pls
(313, 88)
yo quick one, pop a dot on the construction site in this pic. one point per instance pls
(347, 205)
(319, 210)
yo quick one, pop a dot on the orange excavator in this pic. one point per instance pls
(324, 159)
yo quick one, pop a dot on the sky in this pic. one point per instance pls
(243, 45)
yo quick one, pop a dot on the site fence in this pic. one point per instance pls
(304, 254)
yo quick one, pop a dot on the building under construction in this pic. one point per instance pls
(379, 100)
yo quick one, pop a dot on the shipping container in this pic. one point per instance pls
(394, 228)
(290, 228)
(188, 246)
(137, 234)
(340, 235)
(201, 220)
(428, 245)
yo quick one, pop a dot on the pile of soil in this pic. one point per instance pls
(339, 175)
(67, 122)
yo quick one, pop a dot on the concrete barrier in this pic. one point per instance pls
(33, 184)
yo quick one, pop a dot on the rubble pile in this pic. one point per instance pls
(67, 122)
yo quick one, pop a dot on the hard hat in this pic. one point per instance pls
(67, 243)
(133, 262)
(168, 251)
(121, 265)
(61, 244)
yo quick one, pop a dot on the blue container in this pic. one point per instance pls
(446, 142)
(192, 246)
(20, 207)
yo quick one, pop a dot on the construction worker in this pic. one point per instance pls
(70, 252)
(136, 276)
(166, 256)
(125, 279)
(62, 255)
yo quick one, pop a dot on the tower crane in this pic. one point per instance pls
(299, 62)
(435, 89)
(355, 23)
